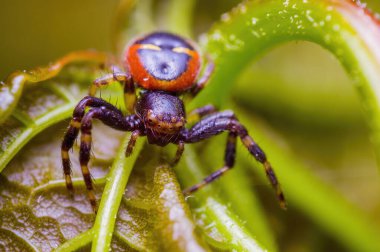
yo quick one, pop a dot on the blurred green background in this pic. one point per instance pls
(299, 88)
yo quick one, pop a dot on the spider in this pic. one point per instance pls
(164, 66)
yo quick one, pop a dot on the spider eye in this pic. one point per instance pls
(150, 47)
(182, 50)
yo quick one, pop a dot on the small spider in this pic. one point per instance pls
(164, 66)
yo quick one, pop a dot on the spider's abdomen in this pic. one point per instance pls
(163, 61)
(163, 115)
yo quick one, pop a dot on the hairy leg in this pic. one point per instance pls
(73, 131)
(226, 121)
(178, 154)
(229, 161)
(125, 79)
(112, 118)
(198, 113)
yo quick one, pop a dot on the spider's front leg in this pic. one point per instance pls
(106, 113)
(192, 117)
(123, 78)
(226, 121)
(73, 130)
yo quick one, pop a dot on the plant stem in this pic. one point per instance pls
(112, 195)
(344, 28)
(179, 16)
(77, 242)
(232, 234)
(321, 203)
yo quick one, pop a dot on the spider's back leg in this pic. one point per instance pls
(226, 121)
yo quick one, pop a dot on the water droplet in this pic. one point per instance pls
(242, 8)
(216, 35)
(254, 20)
(255, 33)
(233, 43)
(308, 16)
(226, 17)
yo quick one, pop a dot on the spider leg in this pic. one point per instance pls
(73, 131)
(132, 142)
(201, 83)
(198, 113)
(125, 79)
(229, 161)
(111, 117)
(178, 154)
(226, 121)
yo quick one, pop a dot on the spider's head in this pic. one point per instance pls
(164, 123)
(161, 112)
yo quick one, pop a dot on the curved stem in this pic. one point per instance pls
(112, 195)
(250, 209)
(179, 18)
(341, 26)
(319, 202)
(11, 89)
(230, 232)
(132, 18)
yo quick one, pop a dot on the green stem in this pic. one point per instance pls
(77, 242)
(11, 90)
(31, 130)
(112, 195)
(319, 202)
(250, 209)
(230, 226)
(232, 233)
(133, 18)
(179, 16)
(344, 28)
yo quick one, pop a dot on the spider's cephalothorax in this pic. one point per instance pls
(164, 66)
(163, 116)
